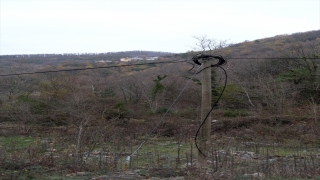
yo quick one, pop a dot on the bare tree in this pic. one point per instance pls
(205, 44)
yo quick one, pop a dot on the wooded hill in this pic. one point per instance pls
(33, 62)
(277, 75)
(294, 45)
(81, 56)
(277, 46)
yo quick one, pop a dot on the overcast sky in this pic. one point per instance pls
(93, 26)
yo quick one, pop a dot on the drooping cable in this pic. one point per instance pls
(164, 115)
(221, 62)
(215, 103)
(126, 65)
(82, 69)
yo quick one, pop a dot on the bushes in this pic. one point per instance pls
(118, 111)
(36, 106)
(232, 97)
(235, 113)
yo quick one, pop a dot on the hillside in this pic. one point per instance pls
(37, 62)
(79, 56)
(67, 58)
(274, 46)
(277, 46)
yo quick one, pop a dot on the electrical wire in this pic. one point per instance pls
(82, 69)
(216, 102)
(164, 115)
(138, 64)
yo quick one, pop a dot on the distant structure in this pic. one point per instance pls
(125, 59)
(138, 59)
(151, 58)
(102, 61)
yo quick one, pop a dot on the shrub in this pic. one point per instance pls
(107, 92)
(162, 110)
(232, 96)
(36, 106)
(235, 113)
(120, 111)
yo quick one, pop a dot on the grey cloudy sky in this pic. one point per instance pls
(93, 26)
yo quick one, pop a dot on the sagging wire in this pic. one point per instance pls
(196, 59)
(91, 68)
(157, 125)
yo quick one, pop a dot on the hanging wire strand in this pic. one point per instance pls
(213, 106)
(164, 115)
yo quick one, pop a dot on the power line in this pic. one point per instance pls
(154, 63)
(82, 69)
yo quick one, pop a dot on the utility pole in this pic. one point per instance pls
(205, 131)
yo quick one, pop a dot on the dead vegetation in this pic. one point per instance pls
(242, 147)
